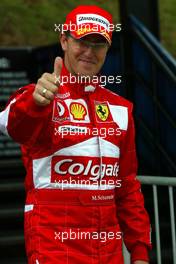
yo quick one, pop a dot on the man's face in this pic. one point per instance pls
(82, 58)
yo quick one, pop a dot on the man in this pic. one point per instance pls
(82, 193)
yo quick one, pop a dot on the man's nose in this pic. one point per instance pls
(89, 51)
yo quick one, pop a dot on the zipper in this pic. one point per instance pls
(93, 121)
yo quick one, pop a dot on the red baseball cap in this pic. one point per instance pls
(89, 19)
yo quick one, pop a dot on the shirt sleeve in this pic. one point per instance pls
(22, 119)
(132, 216)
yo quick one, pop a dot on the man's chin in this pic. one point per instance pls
(86, 78)
(89, 73)
(86, 70)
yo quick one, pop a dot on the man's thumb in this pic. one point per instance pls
(57, 66)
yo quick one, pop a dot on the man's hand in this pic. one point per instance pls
(140, 262)
(47, 85)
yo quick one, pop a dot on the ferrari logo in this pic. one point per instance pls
(102, 111)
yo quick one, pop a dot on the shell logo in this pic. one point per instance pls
(78, 111)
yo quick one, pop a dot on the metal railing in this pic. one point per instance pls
(156, 181)
(150, 61)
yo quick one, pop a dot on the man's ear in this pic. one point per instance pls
(63, 41)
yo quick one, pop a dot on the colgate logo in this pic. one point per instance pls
(69, 166)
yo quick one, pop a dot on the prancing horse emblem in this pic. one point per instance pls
(102, 111)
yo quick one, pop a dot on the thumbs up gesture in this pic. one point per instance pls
(47, 85)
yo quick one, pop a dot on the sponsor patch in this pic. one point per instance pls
(78, 110)
(64, 167)
(70, 110)
(102, 112)
(63, 96)
(93, 18)
(60, 111)
(70, 130)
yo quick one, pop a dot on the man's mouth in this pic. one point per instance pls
(87, 61)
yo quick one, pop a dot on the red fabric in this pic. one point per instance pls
(59, 217)
(139, 252)
(50, 158)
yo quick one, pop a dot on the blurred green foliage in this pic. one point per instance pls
(31, 22)
(167, 13)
